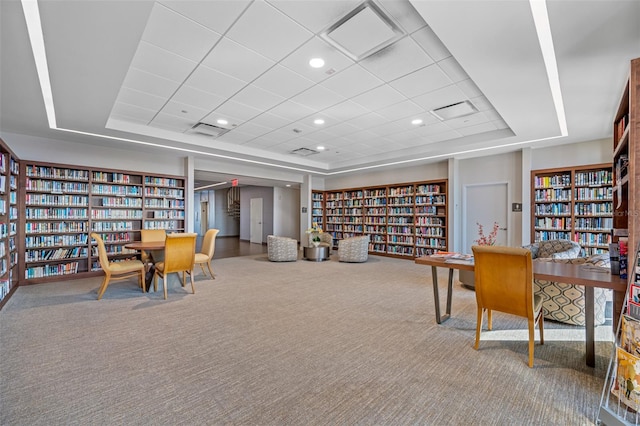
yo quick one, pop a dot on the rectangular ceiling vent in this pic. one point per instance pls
(459, 109)
(208, 130)
(304, 152)
(365, 30)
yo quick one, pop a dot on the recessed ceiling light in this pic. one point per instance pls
(223, 122)
(288, 186)
(318, 121)
(320, 148)
(416, 121)
(316, 63)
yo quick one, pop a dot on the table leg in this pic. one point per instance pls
(589, 327)
(436, 295)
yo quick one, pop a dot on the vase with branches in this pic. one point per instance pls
(490, 239)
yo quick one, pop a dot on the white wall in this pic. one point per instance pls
(387, 176)
(88, 155)
(577, 154)
(286, 212)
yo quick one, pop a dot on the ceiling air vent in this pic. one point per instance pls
(208, 130)
(305, 152)
(459, 109)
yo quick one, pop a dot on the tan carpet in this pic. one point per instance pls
(300, 343)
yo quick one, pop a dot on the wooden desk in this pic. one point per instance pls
(550, 271)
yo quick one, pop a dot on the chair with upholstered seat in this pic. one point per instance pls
(151, 235)
(206, 252)
(504, 283)
(326, 240)
(281, 249)
(117, 270)
(179, 256)
(354, 249)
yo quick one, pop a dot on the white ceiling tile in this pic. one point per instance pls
(185, 37)
(162, 62)
(400, 110)
(315, 15)
(469, 88)
(403, 136)
(363, 136)
(291, 110)
(133, 111)
(234, 59)
(212, 81)
(342, 129)
(265, 29)
(128, 119)
(216, 15)
(401, 58)
(481, 103)
(258, 98)
(445, 136)
(432, 129)
(368, 120)
(282, 81)
(321, 136)
(477, 129)
(452, 68)
(318, 98)
(346, 110)
(467, 120)
(187, 112)
(253, 129)
(500, 124)
(270, 120)
(149, 83)
(141, 99)
(424, 80)
(236, 136)
(379, 98)
(404, 14)
(235, 112)
(266, 141)
(440, 98)
(171, 122)
(199, 99)
(352, 81)
(492, 115)
(298, 61)
(387, 128)
(431, 44)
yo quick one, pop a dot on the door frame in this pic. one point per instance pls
(251, 219)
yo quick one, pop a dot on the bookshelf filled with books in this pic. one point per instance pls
(574, 203)
(317, 209)
(9, 186)
(405, 220)
(64, 204)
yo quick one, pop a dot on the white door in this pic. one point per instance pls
(255, 227)
(204, 217)
(485, 204)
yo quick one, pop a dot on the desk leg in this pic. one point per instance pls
(436, 295)
(589, 326)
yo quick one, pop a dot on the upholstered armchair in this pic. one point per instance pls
(326, 239)
(564, 302)
(282, 249)
(554, 249)
(353, 249)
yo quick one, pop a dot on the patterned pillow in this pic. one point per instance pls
(601, 260)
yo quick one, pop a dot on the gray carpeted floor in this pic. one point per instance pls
(300, 343)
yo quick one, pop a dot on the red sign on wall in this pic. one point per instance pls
(234, 182)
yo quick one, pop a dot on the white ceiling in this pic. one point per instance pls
(148, 71)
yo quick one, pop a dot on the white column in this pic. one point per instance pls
(189, 206)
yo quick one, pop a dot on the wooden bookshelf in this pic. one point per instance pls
(405, 220)
(573, 203)
(9, 216)
(63, 204)
(317, 208)
(626, 154)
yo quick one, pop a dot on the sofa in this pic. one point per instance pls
(282, 249)
(354, 249)
(564, 302)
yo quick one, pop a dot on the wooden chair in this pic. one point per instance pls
(179, 256)
(117, 270)
(504, 283)
(151, 235)
(207, 250)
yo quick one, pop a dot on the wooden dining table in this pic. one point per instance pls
(145, 245)
(569, 273)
